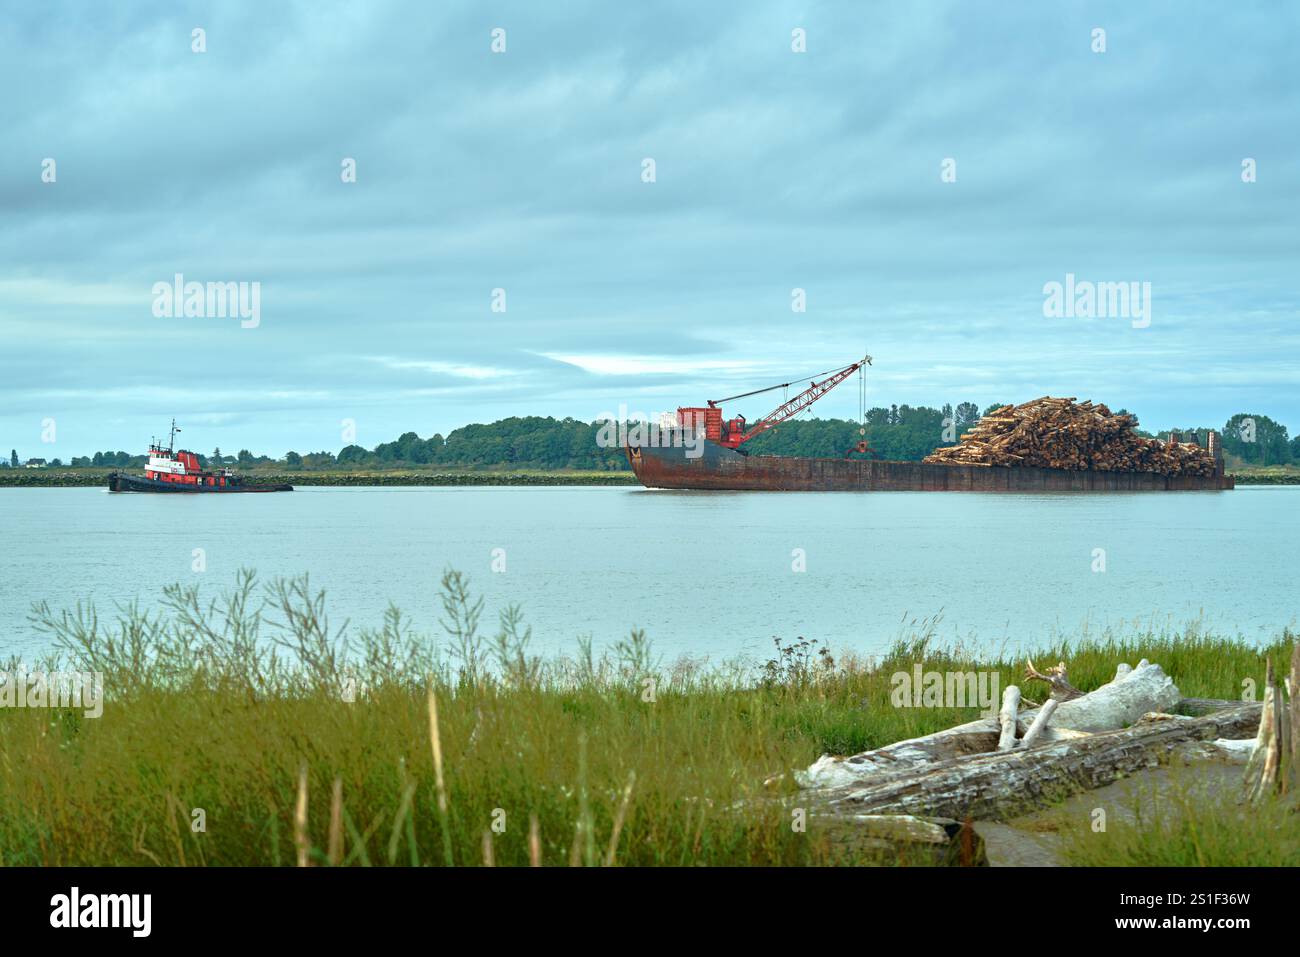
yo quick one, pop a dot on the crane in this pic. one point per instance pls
(735, 432)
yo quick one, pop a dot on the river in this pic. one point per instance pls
(704, 573)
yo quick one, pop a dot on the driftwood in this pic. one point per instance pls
(932, 840)
(1274, 766)
(999, 785)
(1007, 719)
(1073, 742)
(1132, 693)
(1200, 706)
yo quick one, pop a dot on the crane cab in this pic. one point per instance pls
(695, 417)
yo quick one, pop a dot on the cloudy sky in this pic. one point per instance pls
(523, 171)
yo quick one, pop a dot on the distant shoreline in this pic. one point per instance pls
(92, 477)
(83, 478)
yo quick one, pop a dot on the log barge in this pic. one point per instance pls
(171, 470)
(1049, 445)
(721, 468)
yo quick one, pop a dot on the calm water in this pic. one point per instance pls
(703, 573)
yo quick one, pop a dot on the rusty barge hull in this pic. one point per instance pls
(713, 466)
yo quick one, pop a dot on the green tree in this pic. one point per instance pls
(292, 459)
(1256, 439)
(13, 458)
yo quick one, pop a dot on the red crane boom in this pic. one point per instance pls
(733, 432)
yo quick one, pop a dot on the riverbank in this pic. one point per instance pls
(211, 752)
(89, 477)
(83, 478)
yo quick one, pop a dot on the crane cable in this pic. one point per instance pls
(781, 385)
(862, 401)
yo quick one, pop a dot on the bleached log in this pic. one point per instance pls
(1120, 702)
(974, 737)
(999, 785)
(1225, 750)
(1201, 706)
(904, 827)
(1274, 766)
(1117, 704)
(1007, 718)
(1040, 723)
(1262, 772)
(941, 841)
(1293, 705)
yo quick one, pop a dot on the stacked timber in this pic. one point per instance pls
(1064, 434)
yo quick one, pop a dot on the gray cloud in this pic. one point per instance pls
(521, 171)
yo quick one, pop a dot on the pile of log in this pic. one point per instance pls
(1065, 434)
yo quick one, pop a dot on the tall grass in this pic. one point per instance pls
(249, 730)
(1189, 819)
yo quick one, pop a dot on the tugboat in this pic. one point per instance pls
(177, 470)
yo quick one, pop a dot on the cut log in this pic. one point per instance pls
(1225, 750)
(1040, 723)
(1199, 706)
(1271, 768)
(1001, 785)
(1132, 693)
(1064, 434)
(1293, 698)
(1007, 718)
(938, 841)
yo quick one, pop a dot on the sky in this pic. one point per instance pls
(921, 171)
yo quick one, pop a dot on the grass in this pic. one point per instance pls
(1266, 474)
(246, 730)
(1188, 824)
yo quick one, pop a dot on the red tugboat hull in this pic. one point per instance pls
(119, 482)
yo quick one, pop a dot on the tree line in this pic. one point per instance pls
(899, 432)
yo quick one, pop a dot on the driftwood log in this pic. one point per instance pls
(1000, 785)
(1132, 693)
(1274, 766)
(1073, 742)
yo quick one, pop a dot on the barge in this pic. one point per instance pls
(720, 468)
(702, 450)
